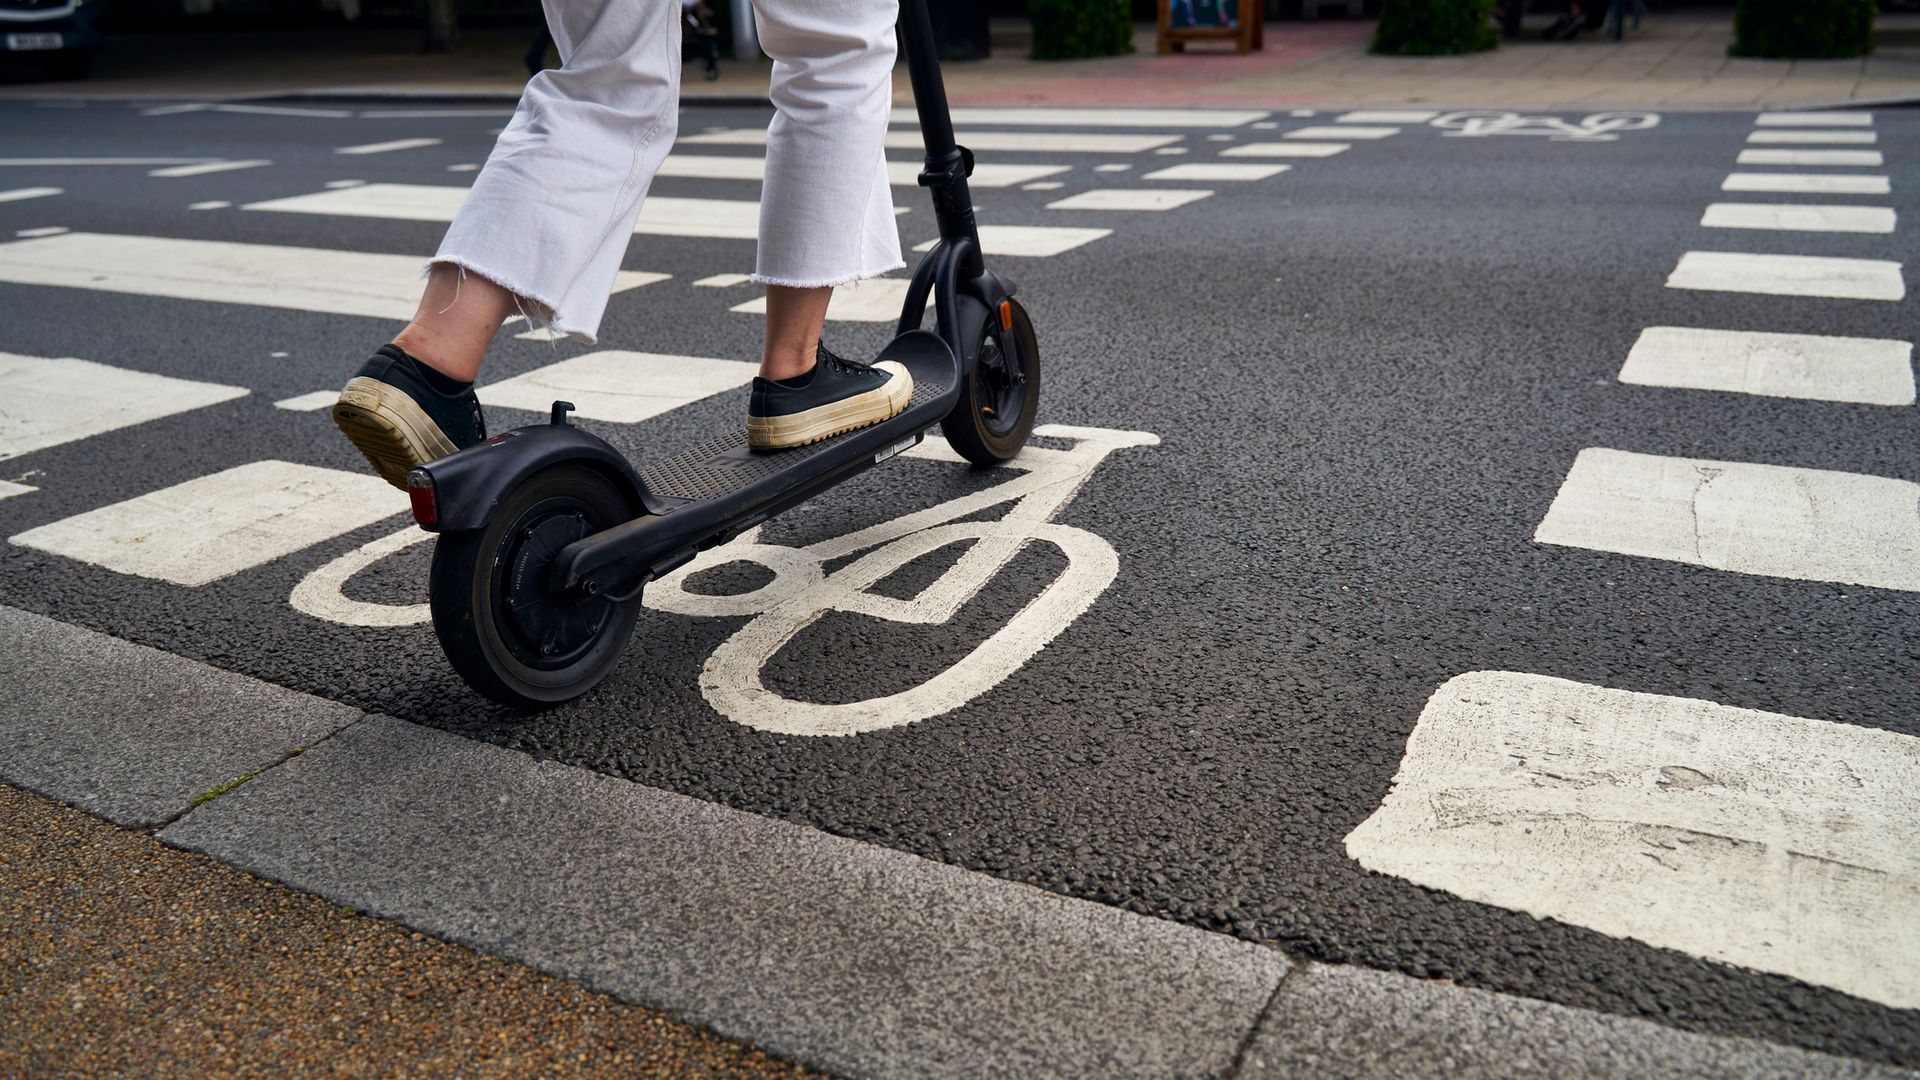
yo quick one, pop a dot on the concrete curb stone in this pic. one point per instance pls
(133, 734)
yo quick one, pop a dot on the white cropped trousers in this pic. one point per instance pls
(551, 212)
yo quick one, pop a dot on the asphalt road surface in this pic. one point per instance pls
(1465, 396)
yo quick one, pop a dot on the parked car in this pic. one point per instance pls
(59, 35)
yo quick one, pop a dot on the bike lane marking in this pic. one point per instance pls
(1746, 837)
(1807, 366)
(1769, 520)
(54, 401)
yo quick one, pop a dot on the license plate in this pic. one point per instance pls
(23, 42)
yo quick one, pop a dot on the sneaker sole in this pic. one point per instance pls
(390, 428)
(836, 418)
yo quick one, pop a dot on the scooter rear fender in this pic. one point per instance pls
(468, 485)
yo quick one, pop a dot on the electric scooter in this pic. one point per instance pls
(548, 535)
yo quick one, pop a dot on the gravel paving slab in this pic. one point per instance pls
(120, 956)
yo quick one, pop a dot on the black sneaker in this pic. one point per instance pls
(837, 396)
(402, 413)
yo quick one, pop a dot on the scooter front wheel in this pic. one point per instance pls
(505, 629)
(994, 416)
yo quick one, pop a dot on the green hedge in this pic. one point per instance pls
(1070, 29)
(1803, 29)
(1433, 27)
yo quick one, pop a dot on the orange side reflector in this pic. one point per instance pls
(1006, 314)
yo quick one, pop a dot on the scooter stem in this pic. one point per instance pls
(948, 164)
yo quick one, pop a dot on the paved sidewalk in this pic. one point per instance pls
(124, 957)
(838, 954)
(1676, 60)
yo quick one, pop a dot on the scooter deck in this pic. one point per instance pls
(720, 488)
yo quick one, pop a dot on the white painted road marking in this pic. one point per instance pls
(46, 230)
(218, 525)
(308, 402)
(388, 147)
(25, 193)
(1789, 275)
(8, 489)
(1173, 118)
(723, 281)
(1810, 138)
(1040, 142)
(873, 300)
(302, 279)
(1030, 241)
(203, 168)
(1769, 841)
(1387, 116)
(1770, 520)
(1348, 132)
(81, 162)
(322, 594)
(45, 402)
(1814, 119)
(621, 387)
(722, 219)
(1200, 170)
(1811, 157)
(1799, 217)
(1136, 199)
(1807, 183)
(899, 173)
(210, 204)
(1112, 167)
(1299, 149)
(1817, 368)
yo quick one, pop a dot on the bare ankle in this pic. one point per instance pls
(427, 350)
(785, 364)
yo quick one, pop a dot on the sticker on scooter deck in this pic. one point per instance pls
(1040, 482)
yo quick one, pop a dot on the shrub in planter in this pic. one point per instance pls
(1434, 27)
(1069, 29)
(1803, 29)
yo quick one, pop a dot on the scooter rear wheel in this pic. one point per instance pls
(994, 416)
(508, 633)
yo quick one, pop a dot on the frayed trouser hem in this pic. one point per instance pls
(536, 309)
(825, 283)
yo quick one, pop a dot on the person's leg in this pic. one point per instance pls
(542, 232)
(826, 214)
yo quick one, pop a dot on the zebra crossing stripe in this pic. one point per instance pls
(1769, 841)
(216, 526)
(1814, 138)
(1030, 241)
(899, 173)
(1299, 149)
(1352, 131)
(1807, 366)
(1211, 171)
(1807, 184)
(8, 489)
(620, 387)
(1814, 119)
(1132, 199)
(1039, 142)
(1804, 158)
(203, 168)
(1799, 217)
(1170, 118)
(265, 275)
(874, 300)
(1768, 520)
(1789, 275)
(54, 401)
(387, 147)
(1387, 116)
(25, 193)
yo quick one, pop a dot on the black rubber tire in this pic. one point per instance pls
(971, 431)
(468, 584)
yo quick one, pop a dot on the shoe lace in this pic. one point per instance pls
(832, 359)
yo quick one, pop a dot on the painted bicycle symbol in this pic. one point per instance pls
(802, 591)
(1596, 127)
